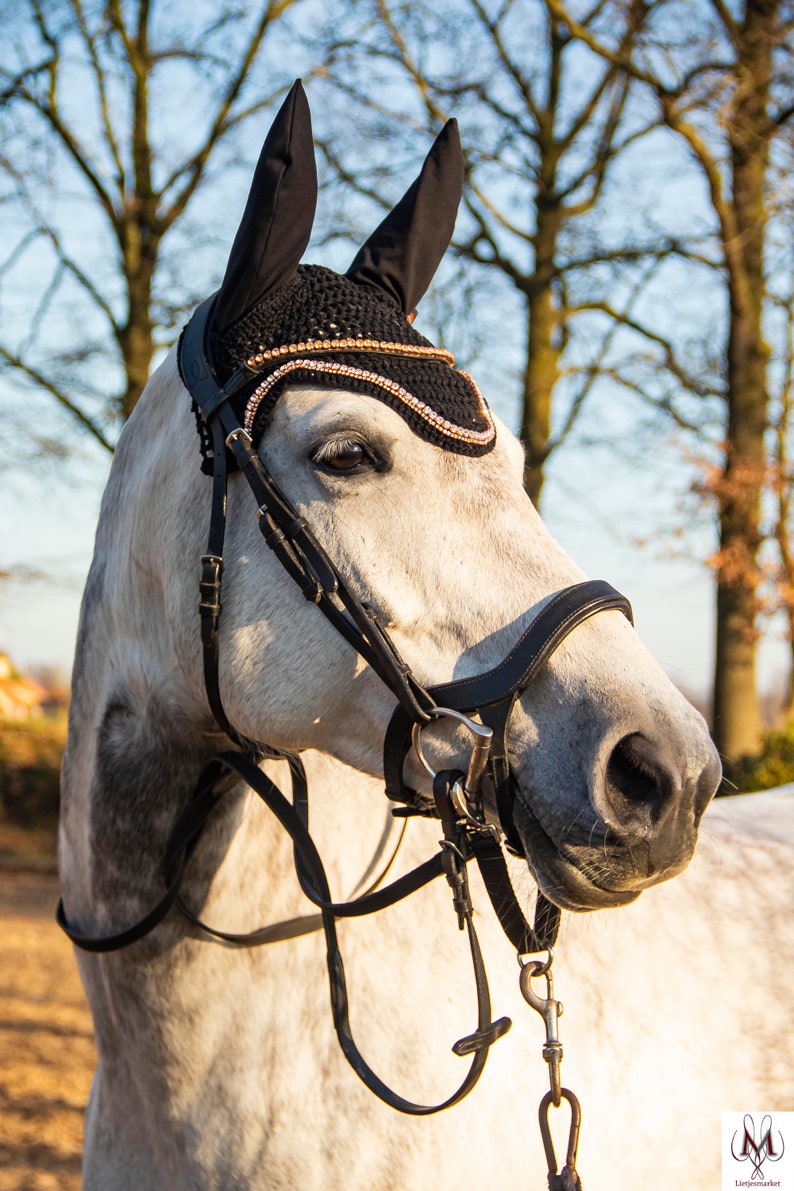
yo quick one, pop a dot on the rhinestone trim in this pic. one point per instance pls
(415, 350)
(424, 411)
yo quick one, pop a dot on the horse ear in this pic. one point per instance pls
(403, 253)
(278, 217)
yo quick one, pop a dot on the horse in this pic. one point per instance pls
(391, 496)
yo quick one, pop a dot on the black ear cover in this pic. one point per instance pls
(278, 217)
(404, 251)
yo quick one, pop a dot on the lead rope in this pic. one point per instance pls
(550, 1010)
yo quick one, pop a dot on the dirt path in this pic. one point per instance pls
(46, 1046)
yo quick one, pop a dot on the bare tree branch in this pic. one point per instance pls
(192, 171)
(100, 83)
(57, 392)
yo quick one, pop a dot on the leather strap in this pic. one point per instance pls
(451, 861)
(525, 938)
(505, 682)
(183, 841)
(556, 620)
(286, 533)
(210, 592)
(196, 367)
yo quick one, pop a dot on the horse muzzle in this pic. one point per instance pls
(638, 827)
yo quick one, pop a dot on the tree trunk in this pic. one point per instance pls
(540, 376)
(136, 337)
(140, 228)
(542, 367)
(737, 722)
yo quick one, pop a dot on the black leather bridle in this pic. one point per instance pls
(475, 809)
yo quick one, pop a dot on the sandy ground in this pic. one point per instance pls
(46, 1046)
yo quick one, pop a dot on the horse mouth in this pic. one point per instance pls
(577, 878)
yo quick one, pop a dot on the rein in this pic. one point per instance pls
(475, 809)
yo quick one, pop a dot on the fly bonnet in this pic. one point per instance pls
(277, 322)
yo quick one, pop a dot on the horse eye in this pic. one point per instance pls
(344, 456)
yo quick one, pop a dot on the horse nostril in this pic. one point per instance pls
(638, 783)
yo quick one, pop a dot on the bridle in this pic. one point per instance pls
(492, 694)
(475, 808)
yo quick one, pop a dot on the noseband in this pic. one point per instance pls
(475, 808)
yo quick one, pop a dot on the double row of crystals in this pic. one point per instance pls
(336, 368)
(414, 350)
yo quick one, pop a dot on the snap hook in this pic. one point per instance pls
(568, 1178)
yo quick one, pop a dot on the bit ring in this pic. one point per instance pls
(483, 735)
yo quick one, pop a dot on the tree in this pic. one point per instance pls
(777, 569)
(546, 129)
(721, 79)
(100, 180)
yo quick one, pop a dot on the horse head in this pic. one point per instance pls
(392, 463)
